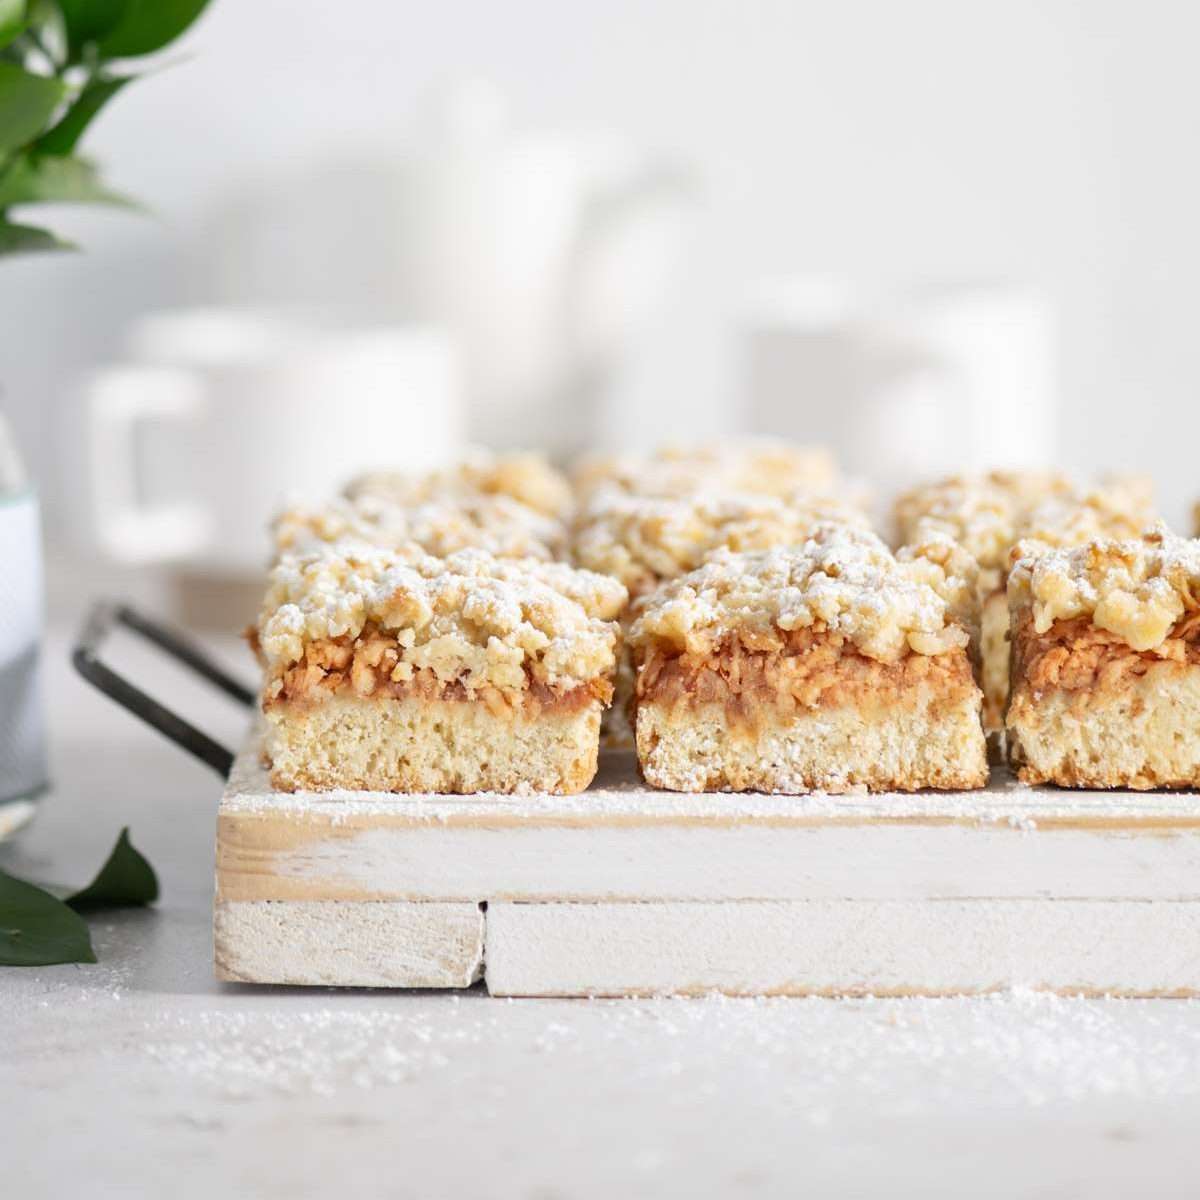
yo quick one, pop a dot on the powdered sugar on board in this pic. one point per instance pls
(618, 795)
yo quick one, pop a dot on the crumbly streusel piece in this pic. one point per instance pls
(827, 665)
(497, 523)
(942, 564)
(524, 476)
(1107, 511)
(643, 540)
(988, 515)
(983, 513)
(759, 465)
(392, 670)
(1106, 664)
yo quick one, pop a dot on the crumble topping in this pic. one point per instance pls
(983, 513)
(470, 619)
(525, 476)
(842, 579)
(642, 540)
(759, 465)
(988, 515)
(502, 526)
(1111, 511)
(1137, 589)
(939, 561)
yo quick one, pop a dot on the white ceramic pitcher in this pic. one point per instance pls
(542, 254)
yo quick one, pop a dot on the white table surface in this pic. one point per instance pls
(142, 1075)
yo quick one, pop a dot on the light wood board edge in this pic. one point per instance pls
(844, 948)
(380, 944)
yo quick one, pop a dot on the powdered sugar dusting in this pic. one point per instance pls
(842, 577)
(292, 1094)
(524, 475)
(824, 1059)
(1136, 588)
(643, 540)
(469, 614)
(989, 514)
(982, 513)
(619, 795)
(440, 526)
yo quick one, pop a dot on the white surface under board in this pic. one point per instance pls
(142, 1076)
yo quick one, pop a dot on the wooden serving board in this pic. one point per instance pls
(628, 891)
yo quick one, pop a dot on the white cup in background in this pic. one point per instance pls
(223, 413)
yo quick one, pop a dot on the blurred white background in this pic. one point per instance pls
(1040, 141)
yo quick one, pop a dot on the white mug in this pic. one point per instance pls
(194, 446)
(917, 383)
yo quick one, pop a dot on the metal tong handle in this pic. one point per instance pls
(86, 657)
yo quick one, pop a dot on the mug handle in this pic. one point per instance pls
(127, 527)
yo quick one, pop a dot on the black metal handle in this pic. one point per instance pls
(86, 657)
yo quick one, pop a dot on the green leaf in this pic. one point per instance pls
(89, 21)
(27, 102)
(149, 25)
(36, 929)
(61, 139)
(12, 20)
(125, 879)
(50, 179)
(26, 239)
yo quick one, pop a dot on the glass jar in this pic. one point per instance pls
(23, 761)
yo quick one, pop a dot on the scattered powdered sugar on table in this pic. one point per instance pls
(992, 1096)
(824, 1059)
